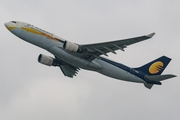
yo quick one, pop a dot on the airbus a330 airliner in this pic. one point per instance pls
(70, 57)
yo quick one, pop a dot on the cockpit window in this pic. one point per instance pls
(13, 21)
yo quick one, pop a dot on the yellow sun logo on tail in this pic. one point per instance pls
(156, 67)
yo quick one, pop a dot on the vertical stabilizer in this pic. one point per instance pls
(153, 71)
(156, 67)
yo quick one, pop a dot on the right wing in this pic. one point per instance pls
(95, 50)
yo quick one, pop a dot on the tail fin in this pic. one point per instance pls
(153, 71)
(156, 67)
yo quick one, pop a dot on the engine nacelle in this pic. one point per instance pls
(69, 46)
(46, 60)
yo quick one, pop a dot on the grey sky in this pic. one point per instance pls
(30, 90)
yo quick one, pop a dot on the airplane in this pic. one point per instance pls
(70, 57)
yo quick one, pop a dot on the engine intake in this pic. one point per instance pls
(46, 60)
(69, 46)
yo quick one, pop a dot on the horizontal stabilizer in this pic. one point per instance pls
(158, 78)
(155, 79)
(149, 86)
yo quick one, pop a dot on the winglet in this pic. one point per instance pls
(150, 35)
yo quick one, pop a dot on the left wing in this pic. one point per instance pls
(69, 70)
(95, 50)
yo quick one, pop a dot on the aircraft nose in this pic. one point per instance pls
(6, 24)
(11, 25)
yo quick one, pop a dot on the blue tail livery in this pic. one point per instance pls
(156, 67)
(153, 71)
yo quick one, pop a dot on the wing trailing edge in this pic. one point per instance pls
(97, 49)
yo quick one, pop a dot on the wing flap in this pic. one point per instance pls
(69, 70)
(66, 68)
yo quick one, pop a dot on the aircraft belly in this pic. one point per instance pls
(117, 73)
(36, 39)
(16, 31)
(133, 78)
(73, 60)
(30, 37)
(112, 71)
(46, 43)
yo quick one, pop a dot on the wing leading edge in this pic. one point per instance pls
(97, 49)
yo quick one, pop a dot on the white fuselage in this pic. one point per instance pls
(49, 42)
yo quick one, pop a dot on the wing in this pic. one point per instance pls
(95, 50)
(69, 70)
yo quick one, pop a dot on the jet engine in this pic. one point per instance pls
(72, 47)
(46, 60)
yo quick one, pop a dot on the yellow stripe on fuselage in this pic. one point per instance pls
(32, 31)
(39, 33)
(11, 27)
